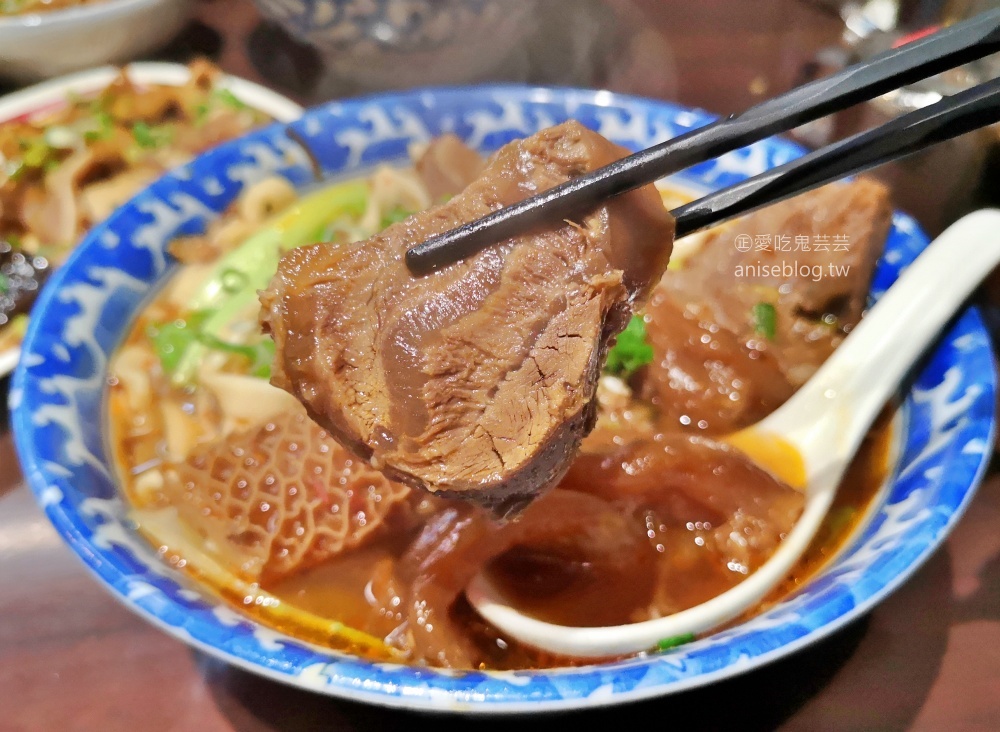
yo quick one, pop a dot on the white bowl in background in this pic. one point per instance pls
(49, 95)
(37, 46)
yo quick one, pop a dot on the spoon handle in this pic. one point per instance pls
(854, 384)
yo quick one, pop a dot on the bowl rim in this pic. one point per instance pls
(429, 700)
(57, 19)
(44, 95)
(37, 97)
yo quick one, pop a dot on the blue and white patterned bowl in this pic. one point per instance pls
(57, 400)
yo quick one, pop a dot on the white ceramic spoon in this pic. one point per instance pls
(808, 442)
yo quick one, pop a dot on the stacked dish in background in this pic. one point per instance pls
(112, 138)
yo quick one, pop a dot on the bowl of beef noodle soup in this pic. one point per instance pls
(213, 505)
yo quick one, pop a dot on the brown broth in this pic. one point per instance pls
(584, 596)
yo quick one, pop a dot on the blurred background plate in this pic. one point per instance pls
(52, 94)
(41, 45)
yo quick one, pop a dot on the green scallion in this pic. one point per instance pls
(765, 320)
(677, 640)
(631, 351)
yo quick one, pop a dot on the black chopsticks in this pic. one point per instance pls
(952, 116)
(953, 46)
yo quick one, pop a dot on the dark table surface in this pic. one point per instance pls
(928, 658)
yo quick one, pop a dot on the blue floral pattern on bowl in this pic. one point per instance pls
(386, 24)
(57, 401)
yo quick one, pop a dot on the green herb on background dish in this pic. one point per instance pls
(150, 137)
(100, 126)
(765, 320)
(219, 98)
(201, 112)
(13, 7)
(35, 153)
(631, 351)
(229, 99)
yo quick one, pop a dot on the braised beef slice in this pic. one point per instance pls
(704, 379)
(447, 166)
(716, 514)
(478, 379)
(812, 258)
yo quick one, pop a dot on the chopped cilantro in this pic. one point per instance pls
(4, 284)
(677, 640)
(631, 351)
(765, 320)
(99, 104)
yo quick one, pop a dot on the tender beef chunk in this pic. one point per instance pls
(447, 166)
(713, 515)
(816, 270)
(703, 378)
(478, 379)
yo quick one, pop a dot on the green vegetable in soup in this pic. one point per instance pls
(765, 320)
(677, 640)
(173, 340)
(631, 351)
(231, 289)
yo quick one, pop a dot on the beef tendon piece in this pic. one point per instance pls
(478, 379)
